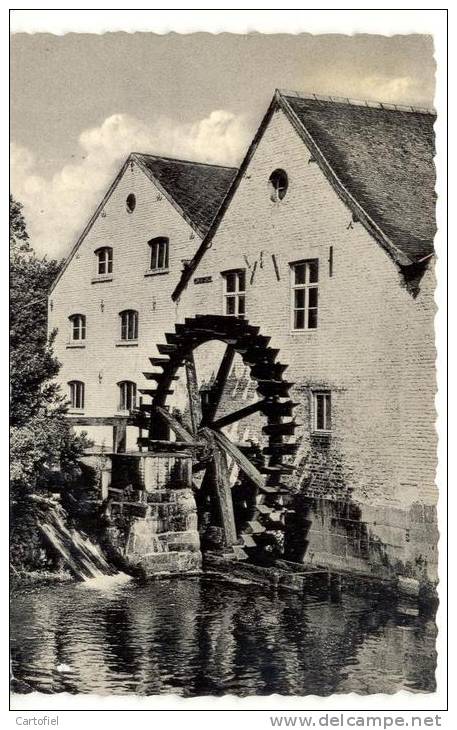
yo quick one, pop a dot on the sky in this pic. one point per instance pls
(80, 103)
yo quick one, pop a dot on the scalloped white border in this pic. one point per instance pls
(322, 20)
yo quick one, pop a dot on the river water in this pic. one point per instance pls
(202, 636)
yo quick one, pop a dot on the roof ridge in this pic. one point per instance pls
(409, 108)
(189, 162)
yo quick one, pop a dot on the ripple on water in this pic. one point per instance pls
(200, 636)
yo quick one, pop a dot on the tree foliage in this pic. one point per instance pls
(19, 238)
(32, 363)
(41, 436)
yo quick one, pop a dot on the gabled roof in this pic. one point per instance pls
(377, 157)
(383, 155)
(195, 189)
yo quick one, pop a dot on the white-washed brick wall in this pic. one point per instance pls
(374, 346)
(128, 234)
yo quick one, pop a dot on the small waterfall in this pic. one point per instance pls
(81, 556)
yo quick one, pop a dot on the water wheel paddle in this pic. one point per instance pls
(251, 513)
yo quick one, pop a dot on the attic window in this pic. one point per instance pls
(104, 260)
(159, 254)
(130, 203)
(278, 185)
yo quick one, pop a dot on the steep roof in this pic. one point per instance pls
(197, 188)
(377, 157)
(383, 155)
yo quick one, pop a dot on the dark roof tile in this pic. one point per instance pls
(197, 188)
(383, 155)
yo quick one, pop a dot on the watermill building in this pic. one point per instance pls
(322, 244)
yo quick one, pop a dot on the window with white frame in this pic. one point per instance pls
(159, 254)
(104, 260)
(322, 411)
(76, 395)
(234, 287)
(127, 393)
(129, 324)
(305, 294)
(78, 327)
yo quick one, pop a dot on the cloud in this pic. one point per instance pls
(360, 83)
(390, 89)
(57, 207)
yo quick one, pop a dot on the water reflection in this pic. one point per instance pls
(196, 637)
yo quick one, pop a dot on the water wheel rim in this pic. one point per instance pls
(273, 402)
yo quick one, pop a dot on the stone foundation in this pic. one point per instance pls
(153, 513)
(384, 542)
(158, 536)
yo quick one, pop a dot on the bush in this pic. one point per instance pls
(44, 450)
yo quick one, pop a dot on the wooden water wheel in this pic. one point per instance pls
(249, 514)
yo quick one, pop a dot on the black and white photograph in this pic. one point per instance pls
(223, 378)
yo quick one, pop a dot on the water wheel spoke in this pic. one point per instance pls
(246, 466)
(178, 429)
(238, 415)
(218, 469)
(217, 389)
(258, 498)
(195, 405)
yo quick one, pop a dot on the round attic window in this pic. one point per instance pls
(278, 185)
(130, 203)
